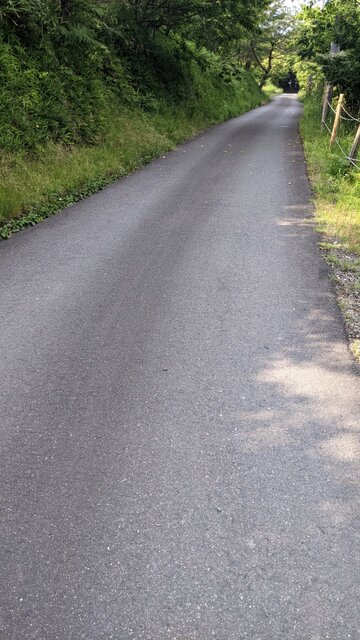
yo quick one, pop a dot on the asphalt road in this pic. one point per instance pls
(179, 411)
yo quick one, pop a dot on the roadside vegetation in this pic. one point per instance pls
(39, 183)
(337, 200)
(92, 89)
(336, 183)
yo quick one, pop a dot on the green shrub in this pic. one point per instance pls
(336, 184)
(71, 106)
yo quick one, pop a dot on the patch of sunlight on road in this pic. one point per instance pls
(315, 383)
(299, 207)
(345, 446)
(324, 402)
(339, 512)
(292, 222)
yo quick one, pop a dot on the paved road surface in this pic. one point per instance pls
(179, 412)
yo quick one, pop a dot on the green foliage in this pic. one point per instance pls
(27, 20)
(309, 74)
(91, 89)
(338, 22)
(56, 90)
(336, 185)
(267, 50)
(72, 122)
(210, 23)
(62, 62)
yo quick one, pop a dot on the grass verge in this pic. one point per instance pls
(337, 203)
(271, 90)
(38, 185)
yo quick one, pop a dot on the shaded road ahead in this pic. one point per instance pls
(179, 412)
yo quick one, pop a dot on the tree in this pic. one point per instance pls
(208, 22)
(270, 43)
(338, 21)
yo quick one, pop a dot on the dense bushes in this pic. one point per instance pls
(57, 79)
(336, 185)
(84, 102)
(43, 99)
(65, 64)
(338, 21)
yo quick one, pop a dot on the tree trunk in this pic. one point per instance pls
(263, 80)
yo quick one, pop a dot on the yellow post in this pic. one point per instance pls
(337, 119)
(355, 146)
(327, 97)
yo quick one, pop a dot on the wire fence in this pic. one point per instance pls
(350, 118)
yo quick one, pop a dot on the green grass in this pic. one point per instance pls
(58, 170)
(336, 185)
(271, 89)
(343, 264)
(337, 198)
(36, 185)
(75, 118)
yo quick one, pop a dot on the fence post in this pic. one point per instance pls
(355, 147)
(328, 91)
(337, 119)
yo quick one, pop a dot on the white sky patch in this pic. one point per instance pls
(293, 4)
